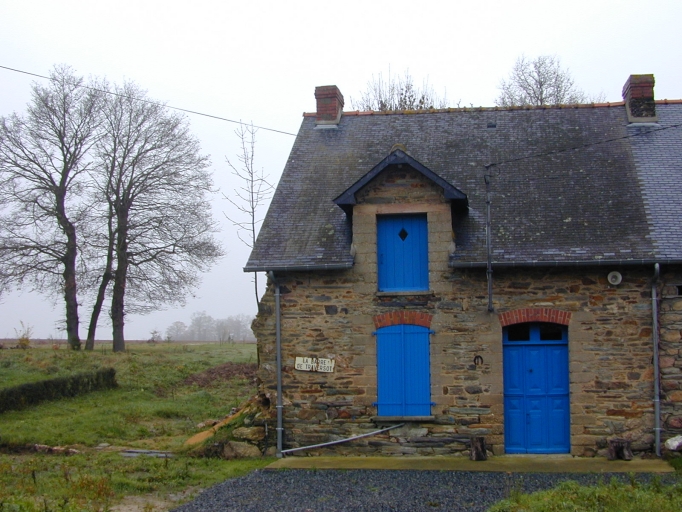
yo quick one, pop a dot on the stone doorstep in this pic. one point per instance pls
(563, 463)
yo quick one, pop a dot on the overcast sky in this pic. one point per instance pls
(260, 62)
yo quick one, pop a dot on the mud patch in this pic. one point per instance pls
(222, 373)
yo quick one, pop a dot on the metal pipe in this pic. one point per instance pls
(338, 441)
(657, 377)
(278, 350)
(488, 244)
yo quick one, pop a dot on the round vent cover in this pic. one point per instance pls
(614, 278)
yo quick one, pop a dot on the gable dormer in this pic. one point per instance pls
(398, 160)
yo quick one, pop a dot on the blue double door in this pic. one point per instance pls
(536, 389)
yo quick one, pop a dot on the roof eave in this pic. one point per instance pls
(565, 263)
(298, 267)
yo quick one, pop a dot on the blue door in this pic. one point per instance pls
(403, 371)
(536, 389)
(402, 253)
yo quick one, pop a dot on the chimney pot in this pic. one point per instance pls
(329, 105)
(638, 94)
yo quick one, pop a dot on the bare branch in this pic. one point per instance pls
(254, 192)
(398, 94)
(541, 81)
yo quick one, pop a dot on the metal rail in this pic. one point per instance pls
(341, 440)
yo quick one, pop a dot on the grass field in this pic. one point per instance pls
(164, 391)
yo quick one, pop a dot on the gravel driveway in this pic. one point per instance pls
(371, 490)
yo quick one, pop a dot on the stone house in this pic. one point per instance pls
(390, 305)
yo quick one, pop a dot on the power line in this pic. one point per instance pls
(154, 103)
(580, 146)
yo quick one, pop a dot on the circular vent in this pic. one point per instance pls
(614, 278)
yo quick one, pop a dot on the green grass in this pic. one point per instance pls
(96, 481)
(20, 366)
(613, 497)
(152, 409)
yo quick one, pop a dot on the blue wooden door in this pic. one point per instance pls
(403, 371)
(536, 389)
(402, 252)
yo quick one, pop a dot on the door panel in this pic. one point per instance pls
(535, 424)
(391, 369)
(535, 370)
(515, 425)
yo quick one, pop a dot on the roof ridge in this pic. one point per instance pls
(486, 109)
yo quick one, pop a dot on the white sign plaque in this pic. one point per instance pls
(314, 364)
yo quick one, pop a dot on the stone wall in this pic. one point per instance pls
(671, 352)
(610, 352)
(333, 314)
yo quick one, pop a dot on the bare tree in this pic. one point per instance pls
(154, 182)
(202, 327)
(254, 192)
(222, 330)
(540, 81)
(398, 93)
(44, 159)
(240, 327)
(177, 331)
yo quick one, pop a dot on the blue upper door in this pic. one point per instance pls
(402, 252)
(536, 389)
(403, 371)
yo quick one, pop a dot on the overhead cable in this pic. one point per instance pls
(155, 103)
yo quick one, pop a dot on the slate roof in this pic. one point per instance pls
(612, 202)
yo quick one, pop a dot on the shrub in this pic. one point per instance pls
(33, 393)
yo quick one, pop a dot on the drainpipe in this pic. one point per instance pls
(278, 345)
(657, 378)
(488, 243)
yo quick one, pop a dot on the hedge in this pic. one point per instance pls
(32, 393)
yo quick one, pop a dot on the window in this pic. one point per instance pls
(403, 371)
(402, 253)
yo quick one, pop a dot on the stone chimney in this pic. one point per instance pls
(329, 106)
(638, 94)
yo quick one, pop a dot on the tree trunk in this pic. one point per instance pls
(71, 302)
(120, 276)
(97, 309)
(69, 273)
(106, 278)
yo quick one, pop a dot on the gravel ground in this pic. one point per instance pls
(302, 490)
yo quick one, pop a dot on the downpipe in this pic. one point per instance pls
(488, 244)
(657, 376)
(278, 350)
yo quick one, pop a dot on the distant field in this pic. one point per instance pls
(12, 342)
